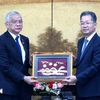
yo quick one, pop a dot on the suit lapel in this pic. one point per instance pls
(79, 49)
(24, 44)
(87, 48)
(14, 46)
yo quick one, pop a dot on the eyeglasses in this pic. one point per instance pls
(86, 23)
(16, 21)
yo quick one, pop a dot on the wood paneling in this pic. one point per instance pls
(3, 2)
(76, 0)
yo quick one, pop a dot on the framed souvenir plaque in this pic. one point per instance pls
(52, 67)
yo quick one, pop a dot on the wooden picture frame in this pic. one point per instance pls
(52, 67)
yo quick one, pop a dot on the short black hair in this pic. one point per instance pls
(92, 14)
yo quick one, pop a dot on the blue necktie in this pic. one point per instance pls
(84, 47)
(17, 42)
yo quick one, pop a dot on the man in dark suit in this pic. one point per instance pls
(87, 77)
(15, 82)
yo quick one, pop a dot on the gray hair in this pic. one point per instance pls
(9, 14)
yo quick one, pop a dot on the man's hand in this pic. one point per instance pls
(30, 79)
(70, 79)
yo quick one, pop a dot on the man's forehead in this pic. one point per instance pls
(87, 17)
(16, 16)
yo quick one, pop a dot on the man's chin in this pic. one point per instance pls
(18, 31)
(86, 33)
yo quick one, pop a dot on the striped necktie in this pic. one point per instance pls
(84, 47)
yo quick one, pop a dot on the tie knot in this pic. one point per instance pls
(85, 41)
(17, 38)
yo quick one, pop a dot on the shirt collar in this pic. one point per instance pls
(13, 35)
(90, 37)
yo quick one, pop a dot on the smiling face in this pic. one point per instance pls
(14, 24)
(87, 25)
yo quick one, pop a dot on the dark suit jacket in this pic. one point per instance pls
(88, 68)
(12, 69)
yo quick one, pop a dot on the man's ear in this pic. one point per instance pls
(6, 24)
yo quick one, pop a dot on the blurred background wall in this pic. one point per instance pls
(38, 15)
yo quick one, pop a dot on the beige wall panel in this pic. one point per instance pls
(3, 2)
(37, 17)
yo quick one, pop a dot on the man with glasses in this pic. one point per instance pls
(87, 77)
(15, 81)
